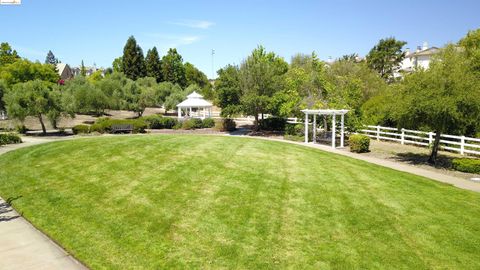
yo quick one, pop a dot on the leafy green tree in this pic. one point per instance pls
(349, 57)
(153, 65)
(445, 98)
(149, 95)
(117, 64)
(96, 76)
(227, 88)
(133, 61)
(386, 56)
(24, 70)
(83, 97)
(165, 89)
(194, 76)
(471, 44)
(260, 76)
(7, 54)
(83, 70)
(33, 98)
(173, 69)
(3, 90)
(51, 59)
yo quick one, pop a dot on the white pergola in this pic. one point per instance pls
(195, 100)
(333, 113)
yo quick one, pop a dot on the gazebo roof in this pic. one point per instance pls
(194, 100)
(325, 111)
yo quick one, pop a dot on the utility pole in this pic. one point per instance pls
(213, 69)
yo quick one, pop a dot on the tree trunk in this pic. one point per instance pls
(436, 144)
(256, 122)
(41, 123)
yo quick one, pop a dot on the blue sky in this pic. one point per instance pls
(96, 31)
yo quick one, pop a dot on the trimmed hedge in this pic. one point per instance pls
(295, 129)
(9, 138)
(81, 129)
(192, 123)
(468, 165)
(359, 143)
(104, 125)
(160, 122)
(208, 123)
(273, 124)
(225, 124)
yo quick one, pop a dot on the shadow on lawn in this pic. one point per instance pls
(5, 207)
(422, 159)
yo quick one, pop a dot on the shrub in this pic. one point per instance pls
(104, 125)
(8, 138)
(81, 129)
(359, 143)
(192, 123)
(469, 165)
(22, 129)
(160, 122)
(273, 124)
(295, 129)
(208, 123)
(225, 124)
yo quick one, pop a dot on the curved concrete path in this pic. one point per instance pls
(22, 246)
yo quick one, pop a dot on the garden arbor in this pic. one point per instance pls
(192, 106)
(331, 112)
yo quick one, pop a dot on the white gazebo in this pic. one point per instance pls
(333, 113)
(192, 106)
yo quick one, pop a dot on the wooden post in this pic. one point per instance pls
(378, 133)
(342, 132)
(314, 128)
(306, 127)
(462, 145)
(430, 138)
(403, 136)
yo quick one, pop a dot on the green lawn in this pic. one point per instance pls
(236, 203)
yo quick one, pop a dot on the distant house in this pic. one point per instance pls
(420, 58)
(64, 71)
(88, 70)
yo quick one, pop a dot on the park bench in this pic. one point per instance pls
(122, 128)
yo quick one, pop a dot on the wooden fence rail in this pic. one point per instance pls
(463, 145)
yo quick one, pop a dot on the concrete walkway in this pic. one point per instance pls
(22, 246)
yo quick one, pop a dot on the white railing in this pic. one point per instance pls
(462, 144)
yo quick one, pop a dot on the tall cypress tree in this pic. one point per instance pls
(133, 62)
(172, 68)
(153, 64)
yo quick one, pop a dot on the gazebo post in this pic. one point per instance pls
(306, 127)
(204, 112)
(179, 112)
(342, 132)
(314, 128)
(333, 130)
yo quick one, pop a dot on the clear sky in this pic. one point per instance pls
(96, 31)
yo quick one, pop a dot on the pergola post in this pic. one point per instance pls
(342, 132)
(333, 130)
(314, 128)
(306, 127)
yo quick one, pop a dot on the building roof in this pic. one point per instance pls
(194, 100)
(325, 111)
(61, 67)
(429, 51)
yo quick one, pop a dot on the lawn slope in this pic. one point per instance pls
(222, 202)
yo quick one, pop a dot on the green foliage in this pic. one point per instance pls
(22, 129)
(95, 76)
(83, 70)
(445, 98)
(117, 64)
(359, 143)
(9, 138)
(295, 129)
(23, 70)
(386, 56)
(153, 65)
(51, 59)
(33, 98)
(104, 125)
(81, 129)
(133, 62)
(173, 69)
(81, 96)
(159, 122)
(192, 123)
(225, 124)
(176, 96)
(468, 165)
(208, 123)
(228, 92)
(194, 76)
(273, 124)
(3, 90)
(7, 54)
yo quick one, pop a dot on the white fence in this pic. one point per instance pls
(462, 144)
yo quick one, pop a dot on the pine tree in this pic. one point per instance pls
(51, 59)
(172, 68)
(133, 62)
(153, 65)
